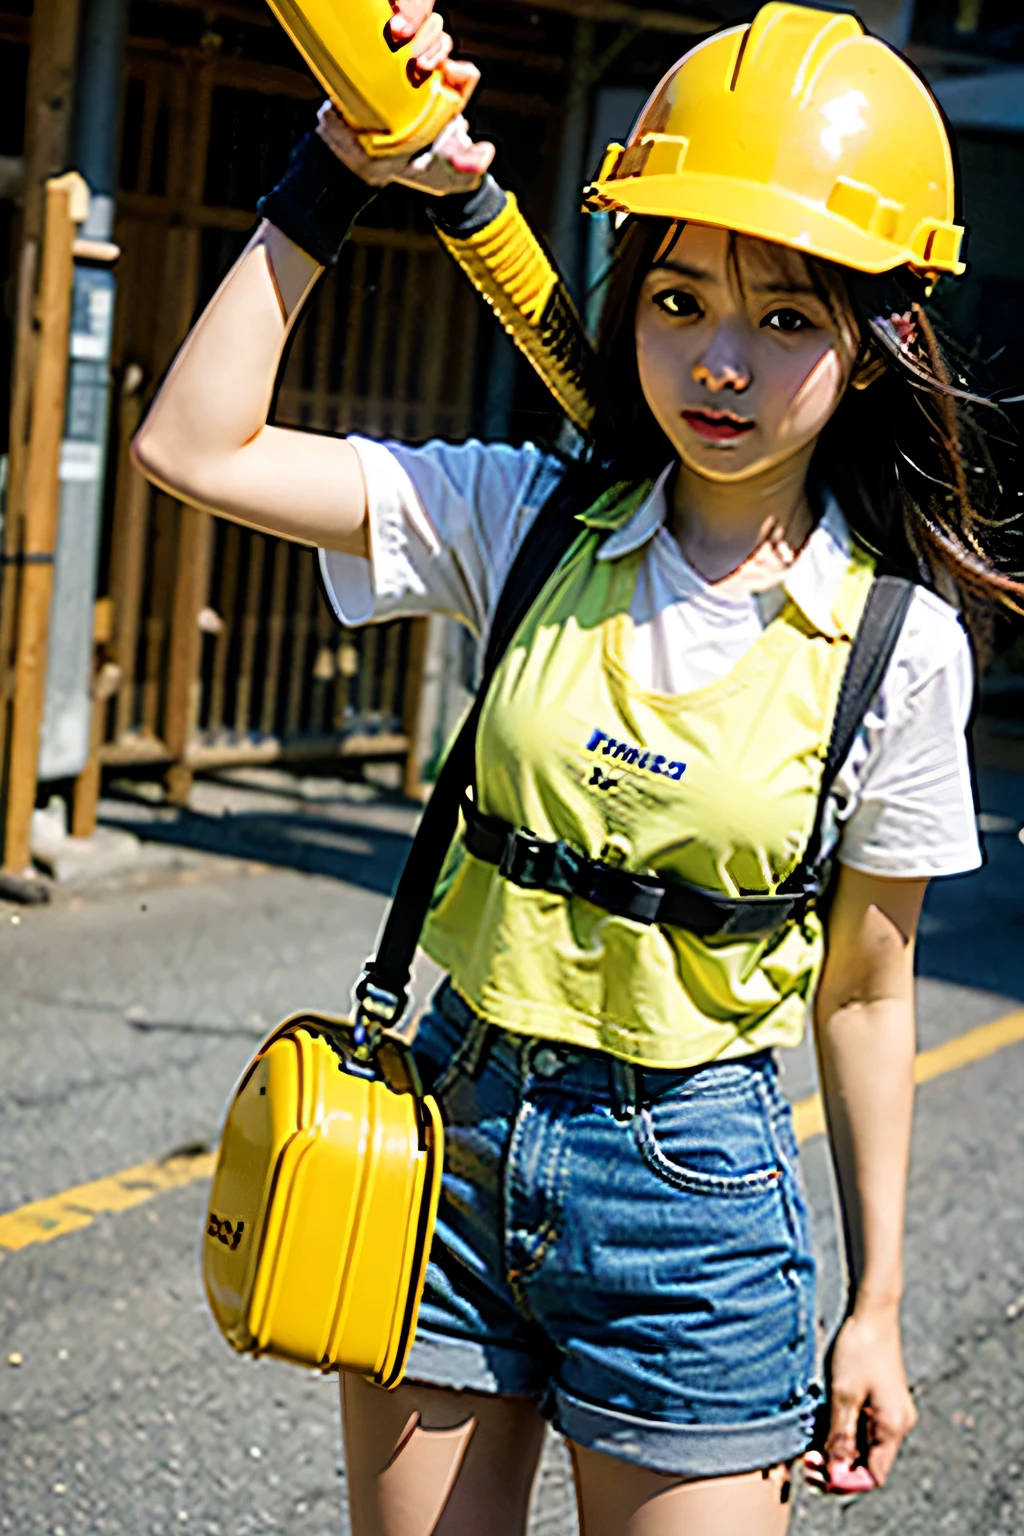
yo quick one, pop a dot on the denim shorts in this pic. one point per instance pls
(629, 1248)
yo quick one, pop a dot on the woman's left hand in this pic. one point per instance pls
(866, 1378)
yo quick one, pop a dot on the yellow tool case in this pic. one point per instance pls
(345, 44)
(323, 1201)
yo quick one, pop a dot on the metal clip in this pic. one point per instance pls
(526, 860)
(376, 1009)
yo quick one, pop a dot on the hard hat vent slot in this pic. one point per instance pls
(937, 245)
(853, 201)
(741, 50)
(943, 245)
(657, 154)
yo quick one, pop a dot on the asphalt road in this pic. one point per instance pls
(127, 1012)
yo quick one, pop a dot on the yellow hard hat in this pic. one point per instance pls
(798, 128)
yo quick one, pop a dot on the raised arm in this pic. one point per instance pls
(206, 437)
(864, 1024)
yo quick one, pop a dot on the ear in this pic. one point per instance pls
(869, 367)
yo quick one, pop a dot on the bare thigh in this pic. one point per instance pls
(426, 1461)
(618, 1499)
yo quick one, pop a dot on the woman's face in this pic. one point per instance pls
(740, 360)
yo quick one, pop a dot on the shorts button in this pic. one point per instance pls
(546, 1062)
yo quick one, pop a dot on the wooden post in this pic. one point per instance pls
(67, 202)
(183, 684)
(192, 570)
(85, 800)
(21, 396)
(106, 682)
(51, 66)
(128, 552)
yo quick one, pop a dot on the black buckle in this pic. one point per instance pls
(805, 888)
(536, 865)
(376, 1009)
(526, 860)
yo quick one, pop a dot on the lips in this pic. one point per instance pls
(717, 426)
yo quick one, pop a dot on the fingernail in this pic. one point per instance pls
(400, 27)
(846, 1478)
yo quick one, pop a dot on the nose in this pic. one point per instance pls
(721, 368)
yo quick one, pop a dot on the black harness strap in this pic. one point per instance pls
(877, 634)
(536, 864)
(381, 990)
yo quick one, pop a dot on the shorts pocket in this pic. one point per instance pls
(711, 1137)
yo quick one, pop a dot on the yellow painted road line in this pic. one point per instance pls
(975, 1045)
(808, 1121)
(43, 1220)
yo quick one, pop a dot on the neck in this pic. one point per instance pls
(721, 524)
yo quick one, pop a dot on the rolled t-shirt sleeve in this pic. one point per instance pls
(909, 811)
(445, 521)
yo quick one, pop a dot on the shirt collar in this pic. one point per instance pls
(813, 581)
(643, 525)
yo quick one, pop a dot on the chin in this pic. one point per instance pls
(722, 463)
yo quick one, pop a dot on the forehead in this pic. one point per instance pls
(721, 252)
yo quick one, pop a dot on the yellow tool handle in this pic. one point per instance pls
(509, 267)
(345, 44)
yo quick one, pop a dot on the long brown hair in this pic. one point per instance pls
(923, 463)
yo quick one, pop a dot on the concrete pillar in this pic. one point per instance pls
(99, 84)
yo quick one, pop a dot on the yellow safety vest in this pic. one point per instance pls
(717, 786)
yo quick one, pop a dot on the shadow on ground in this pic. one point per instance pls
(343, 848)
(972, 931)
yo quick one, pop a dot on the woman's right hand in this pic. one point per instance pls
(453, 163)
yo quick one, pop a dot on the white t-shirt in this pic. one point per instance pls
(446, 521)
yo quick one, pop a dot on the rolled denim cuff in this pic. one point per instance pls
(317, 200)
(462, 214)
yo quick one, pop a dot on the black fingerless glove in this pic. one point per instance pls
(317, 200)
(462, 214)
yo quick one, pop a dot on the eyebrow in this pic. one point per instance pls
(793, 288)
(698, 274)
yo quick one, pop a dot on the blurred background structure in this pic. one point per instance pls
(177, 642)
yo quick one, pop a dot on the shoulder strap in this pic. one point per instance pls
(875, 640)
(381, 990)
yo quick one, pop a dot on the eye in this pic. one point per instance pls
(677, 302)
(788, 320)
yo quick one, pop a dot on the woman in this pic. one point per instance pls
(622, 1244)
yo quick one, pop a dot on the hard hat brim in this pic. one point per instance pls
(767, 212)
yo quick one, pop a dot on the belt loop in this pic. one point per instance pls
(475, 1046)
(626, 1089)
